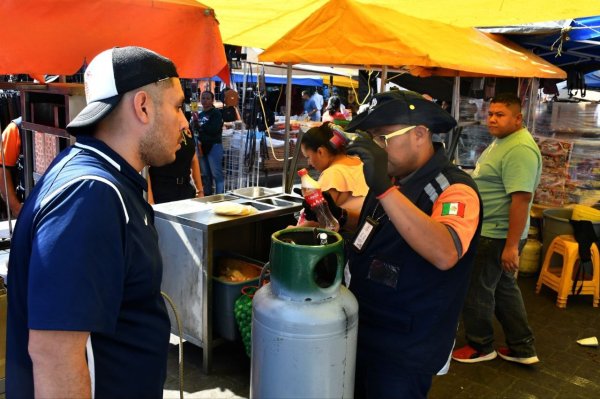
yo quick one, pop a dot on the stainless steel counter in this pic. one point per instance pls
(190, 233)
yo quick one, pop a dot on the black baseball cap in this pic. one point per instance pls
(113, 73)
(401, 107)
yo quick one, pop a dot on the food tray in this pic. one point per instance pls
(254, 192)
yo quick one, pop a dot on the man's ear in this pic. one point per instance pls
(141, 105)
(520, 119)
(421, 131)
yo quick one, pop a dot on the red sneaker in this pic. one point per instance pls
(507, 354)
(467, 354)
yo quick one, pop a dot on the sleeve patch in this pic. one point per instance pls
(453, 209)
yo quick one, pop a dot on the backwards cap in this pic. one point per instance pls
(113, 73)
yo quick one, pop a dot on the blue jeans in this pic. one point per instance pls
(494, 291)
(211, 166)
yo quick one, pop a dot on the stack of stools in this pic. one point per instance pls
(560, 279)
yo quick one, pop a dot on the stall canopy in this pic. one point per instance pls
(58, 37)
(302, 80)
(341, 81)
(592, 80)
(315, 81)
(259, 23)
(382, 37)
(574, 46)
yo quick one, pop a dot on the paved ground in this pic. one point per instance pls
(566, 370)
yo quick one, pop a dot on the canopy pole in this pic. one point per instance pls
(455, 114)
(245, 74)
(384, 71)
(286, 175)
(533, 101)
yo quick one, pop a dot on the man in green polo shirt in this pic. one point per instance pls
(507, 174)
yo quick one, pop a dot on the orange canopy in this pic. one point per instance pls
(383, 37)
(58, 36)
(540, 67)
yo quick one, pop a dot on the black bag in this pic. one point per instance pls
(585, 235)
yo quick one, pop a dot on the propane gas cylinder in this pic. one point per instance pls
(529, 261)
(304, 322)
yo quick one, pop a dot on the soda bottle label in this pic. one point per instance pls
(314, 198)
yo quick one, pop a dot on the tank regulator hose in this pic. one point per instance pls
(179, 332)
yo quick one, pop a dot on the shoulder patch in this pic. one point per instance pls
(453, 209)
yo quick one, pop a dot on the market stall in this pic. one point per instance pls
(193, 233)
(404, 44)
(46, 37)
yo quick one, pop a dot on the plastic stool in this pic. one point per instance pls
(561, 279)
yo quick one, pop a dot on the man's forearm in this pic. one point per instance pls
(517, 217)
(197, 174)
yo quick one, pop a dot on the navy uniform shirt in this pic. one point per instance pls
(84, 257)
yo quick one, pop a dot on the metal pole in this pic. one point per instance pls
(455, 113)
(384, 71)
(245, 73)
(286, 175)
(8, 213)
(533, 100)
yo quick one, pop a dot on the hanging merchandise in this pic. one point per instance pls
(576, 83)
(489, 89)
(10, 107)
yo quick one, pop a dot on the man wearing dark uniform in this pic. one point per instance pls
(413, 249)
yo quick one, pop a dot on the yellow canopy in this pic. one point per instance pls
(259, 23)
(341, 81)
(382, 37)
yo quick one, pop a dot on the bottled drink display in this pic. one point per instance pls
(311, 190)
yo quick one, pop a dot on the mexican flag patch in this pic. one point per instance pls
(453, 208)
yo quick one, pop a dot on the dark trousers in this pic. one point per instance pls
(378, 378)
(492, 291)
(167, 189)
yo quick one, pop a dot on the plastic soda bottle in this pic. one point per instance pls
(340, 138)
(311, 190)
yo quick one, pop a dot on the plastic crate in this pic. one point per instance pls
(226, 292)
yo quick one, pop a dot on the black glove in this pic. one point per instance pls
(375, 160)
(336, 211)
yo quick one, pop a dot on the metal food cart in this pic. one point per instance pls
(190, 233)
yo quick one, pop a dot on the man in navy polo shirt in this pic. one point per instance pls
(85, 315)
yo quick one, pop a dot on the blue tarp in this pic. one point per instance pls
(592, 80)
(580, 50)
(278, 80)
